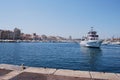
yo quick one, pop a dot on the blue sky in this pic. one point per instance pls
(62, 17)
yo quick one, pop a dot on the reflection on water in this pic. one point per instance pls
(93, 56)
(90, 50)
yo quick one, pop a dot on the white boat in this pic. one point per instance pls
(115, 43)
(106, 42)
(91, 40)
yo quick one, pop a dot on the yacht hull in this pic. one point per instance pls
(91, 43)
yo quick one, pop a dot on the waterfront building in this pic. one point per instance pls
(6, 34)
(52, 38)
(70, 37)
(10, 35)
(26, 36)
(17, 33)
(60, 38)
(1, 34)
(43, 37)
(34, 36)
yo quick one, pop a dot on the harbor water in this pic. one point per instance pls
(62, 56)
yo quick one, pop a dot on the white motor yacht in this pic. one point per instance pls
(91, 40)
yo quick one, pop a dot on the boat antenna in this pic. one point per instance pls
(91, 28)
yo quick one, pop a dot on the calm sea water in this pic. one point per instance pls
(62, 55)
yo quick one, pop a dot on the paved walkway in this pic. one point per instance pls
(14, 72)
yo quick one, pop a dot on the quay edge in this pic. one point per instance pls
(15, 72)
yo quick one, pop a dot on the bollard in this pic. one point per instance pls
(23, 67)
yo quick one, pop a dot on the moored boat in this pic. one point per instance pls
(91, 40)
(115, 43)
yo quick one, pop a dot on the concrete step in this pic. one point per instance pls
(10, 75)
